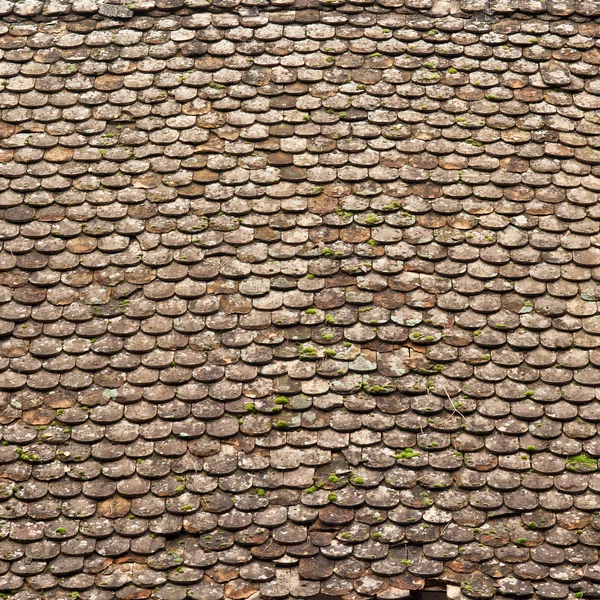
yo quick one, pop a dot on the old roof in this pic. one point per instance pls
(299, 297)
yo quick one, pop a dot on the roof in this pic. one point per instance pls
(299, 297)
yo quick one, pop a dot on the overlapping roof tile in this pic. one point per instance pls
(299, 297)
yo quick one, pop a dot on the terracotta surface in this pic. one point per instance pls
(299, 297)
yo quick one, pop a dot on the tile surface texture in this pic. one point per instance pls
(299, 297)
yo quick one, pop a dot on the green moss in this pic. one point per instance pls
(377, 390)
(581, 460)
(333, 478)
(342, 213)
(407, 454)
(281, 400)
(26, 457)
(307, 352)
(311, 311)
(473, 142)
